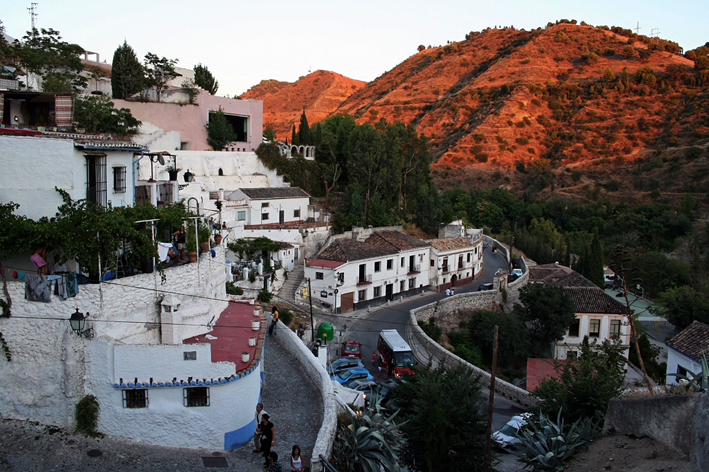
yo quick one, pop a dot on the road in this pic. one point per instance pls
(366, 330)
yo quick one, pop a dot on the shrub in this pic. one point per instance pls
(522, 141)
(264, 296)
(693, 153)
(545, 444)
(576, 175)
(612, 185)
(87, 411)
(476, 149)
(432, 329)
(482, 157)
(286, 316)
(536, 102)
(519, 165)
(232, 289)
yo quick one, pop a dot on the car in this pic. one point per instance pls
(517, 272)
(507, 435)
(353, 373)
(361, 385)
(485, 287)
(351, 349)
(344, 363)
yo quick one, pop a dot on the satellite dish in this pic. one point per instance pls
(161, 160)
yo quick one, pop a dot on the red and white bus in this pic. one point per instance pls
(395, 352)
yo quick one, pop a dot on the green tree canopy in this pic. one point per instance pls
(127, 73)
(513, 339)
(58, 63)
(159, 71)
(547, 311)
(681, 306)
(204, 79)
(219, 130)
(445, 428)
(304, 137)
(97, 115)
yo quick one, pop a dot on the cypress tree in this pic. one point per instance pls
(127, 74)
(595, 262)
(304, 131)
(204, 79)
(294, 137)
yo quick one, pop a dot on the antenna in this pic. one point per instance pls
(637, 28)
(33, 13)
(654, 32)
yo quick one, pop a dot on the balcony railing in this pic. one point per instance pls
(367, 279)
(414, 268)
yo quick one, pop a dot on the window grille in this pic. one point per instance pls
(96, 179)
(135, 398)
(195, 396)
(119, 180)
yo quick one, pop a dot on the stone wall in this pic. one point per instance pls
(319, 377)
(427, 349)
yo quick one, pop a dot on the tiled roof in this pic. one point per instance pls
(538, 369)
(270, 193)
(344, 250)
(325, 264)
(594, 300)
(395, 240)
(450, 244)
(692, 341)
(587, 297)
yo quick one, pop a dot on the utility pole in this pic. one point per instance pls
(654, 32)
(33, 14)
(310, 297)
(637, 28)
(491, 402)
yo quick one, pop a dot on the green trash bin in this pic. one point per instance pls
(325, 332)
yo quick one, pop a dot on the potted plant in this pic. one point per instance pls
(204, 234)
(245, 356)
(191, 243)
(173, 170)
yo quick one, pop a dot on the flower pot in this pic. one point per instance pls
(255, 325)
(204, 246)
(173, 175)
(257, 312)
(192, 256)
(218, 239)
(252, 341)
(245, 356)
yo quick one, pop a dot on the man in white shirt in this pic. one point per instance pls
(257, 432)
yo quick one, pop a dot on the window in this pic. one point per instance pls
(319, 276)
(402, 286)
(264, 205)
(469, 254)
(119, 180)
(377, 267)
(571, 355)
(135, 398)
(615, 327)
(195, 396)
(264, 216)
(575, 328)
(402, 261)
(362, 295)
(240, 215)
(594, 329)
(296, 213)
(377, 292)
(96, 178)
(433, 263)
(412, 283)
(390, 264)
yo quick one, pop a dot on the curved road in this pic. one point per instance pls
(366, 330)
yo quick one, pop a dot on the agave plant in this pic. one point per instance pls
(368, 441)
(544, 445)
(696, 382)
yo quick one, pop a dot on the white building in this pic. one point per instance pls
(367, 267)
(98, 170)
(158, 377)
(268, 206)
(455, 261)
(685, 351)
(598, 315)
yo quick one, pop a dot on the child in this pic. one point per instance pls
(39, 259)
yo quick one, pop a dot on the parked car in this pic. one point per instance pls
(517, 272)
(351, 374)
(351, 349)
(361, 385)
(485, 287)
(344, 363)
(507, 435)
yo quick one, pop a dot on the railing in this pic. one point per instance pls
(415, 268)
(367, 279)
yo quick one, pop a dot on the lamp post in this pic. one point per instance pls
(78, 323)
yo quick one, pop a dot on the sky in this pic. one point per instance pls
(243, 42)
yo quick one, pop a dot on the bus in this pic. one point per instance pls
(394, 351)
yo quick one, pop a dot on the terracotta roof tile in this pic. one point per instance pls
(692, 341)
(450, 244)
(344, 250)
(395, 240)
(269, 193)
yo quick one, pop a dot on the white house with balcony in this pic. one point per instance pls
(454, 261)
(598, 315)
(367, 267)
(268, 206)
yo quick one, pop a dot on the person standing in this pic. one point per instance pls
(274, 320)
(268, 436)
(257, 432)
(448, 292)
(296, 460)
(274, 465)
(374, 359)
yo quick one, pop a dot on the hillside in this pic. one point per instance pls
(510, 104)
(318, 93)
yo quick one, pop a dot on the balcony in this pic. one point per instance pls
(364, 280)
(414, 269)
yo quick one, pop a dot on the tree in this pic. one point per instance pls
(57, 62)
(192, 91)
(159, 71)
(304, 137)
(586, 384)
(204, 79)
(548, 311)
(96, 114)
(127, 73)
(219, 130)
(513, 342)
(595, 263)
(445, 428)
(428, 214)
(681, 306)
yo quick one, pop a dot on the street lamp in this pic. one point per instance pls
(78, 323)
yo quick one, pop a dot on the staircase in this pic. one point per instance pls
(295, 277)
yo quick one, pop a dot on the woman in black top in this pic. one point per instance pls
(268, 436)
